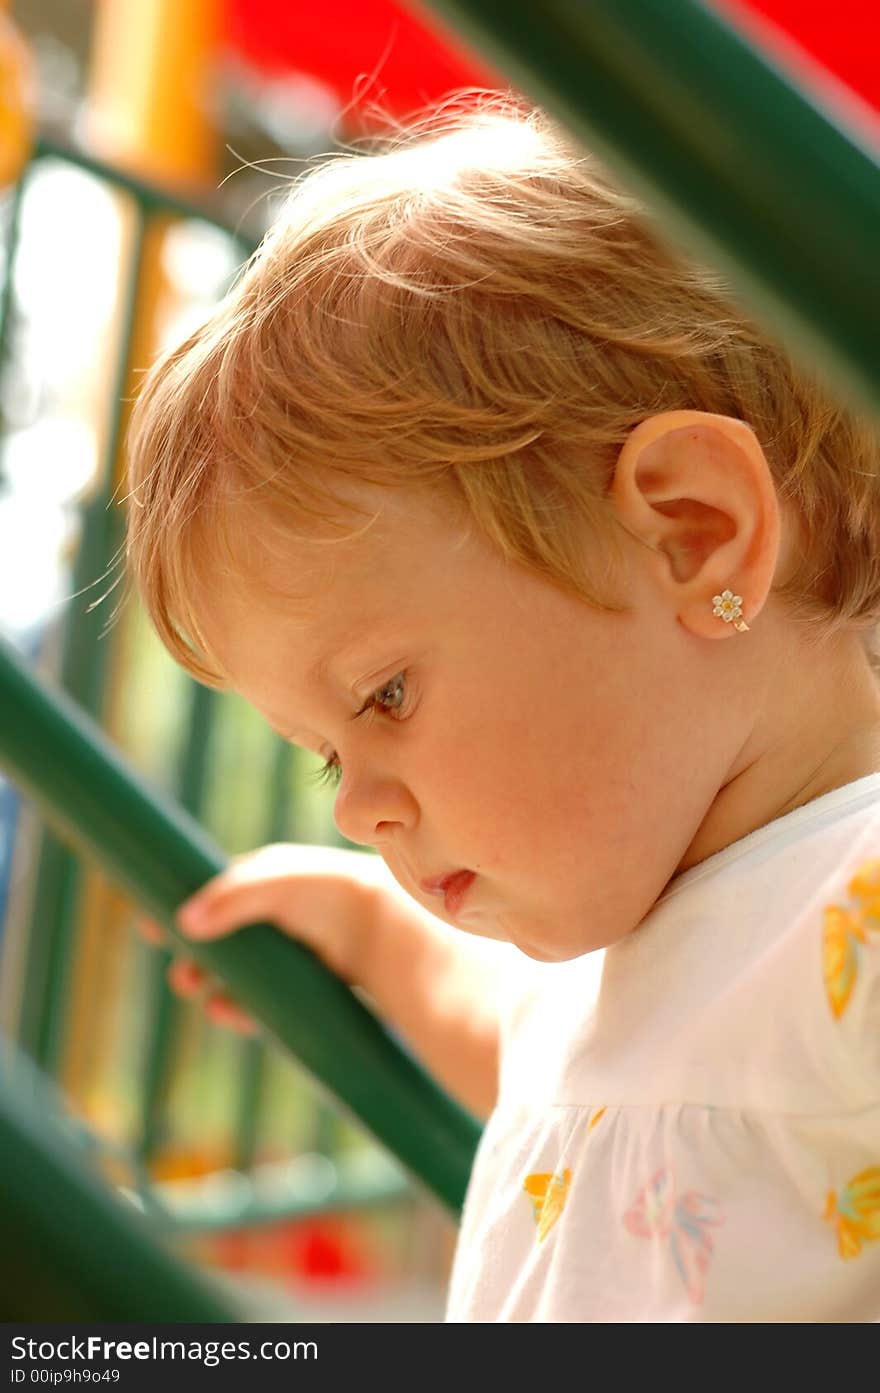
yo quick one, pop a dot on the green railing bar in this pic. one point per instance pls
(165, 1017)
(84, 664)
(161, 856)
(71, 1249)
(163, 1014)
(42, 1018)
(12, 238)
(253, 1062)
(248, 1102)
(744, 170)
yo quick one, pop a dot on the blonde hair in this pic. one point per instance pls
(477, 308)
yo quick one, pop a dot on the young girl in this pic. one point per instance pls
(477, 490)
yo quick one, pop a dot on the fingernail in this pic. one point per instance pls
(190, 916)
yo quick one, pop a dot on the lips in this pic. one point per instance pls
(453, 887)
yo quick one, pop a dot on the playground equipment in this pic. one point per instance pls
(16, 100)
(702, 125)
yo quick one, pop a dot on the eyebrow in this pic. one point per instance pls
(366, 632)
(371, 632)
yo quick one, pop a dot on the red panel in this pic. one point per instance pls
(396, 53)
(367, 50)
(841, 35)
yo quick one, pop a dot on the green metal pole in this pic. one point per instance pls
(161, 856)
(10, 251)
(70, 1250)
(84, 665)
(744, 170)
(252, 1077)
(164, 1018)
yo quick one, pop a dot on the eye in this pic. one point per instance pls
(389, 699)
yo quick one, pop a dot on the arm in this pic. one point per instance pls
(440, 991)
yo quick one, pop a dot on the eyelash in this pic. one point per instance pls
(331, 770)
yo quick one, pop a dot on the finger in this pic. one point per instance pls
(223, 1010)
(151, 932)
(186, 977)
(243, 891)
(259, 886)
(226, 904)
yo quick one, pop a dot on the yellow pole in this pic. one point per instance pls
(17, 100)
(152, 87)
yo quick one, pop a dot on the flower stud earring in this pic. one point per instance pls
(727, 607)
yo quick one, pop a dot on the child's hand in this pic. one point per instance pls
(326, 897)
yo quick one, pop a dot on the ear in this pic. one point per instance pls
(697, 489)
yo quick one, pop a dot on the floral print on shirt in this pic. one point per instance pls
(845, 934)
(548, 1193)
(856, 1212)
(548, 1190)
(682, 1221)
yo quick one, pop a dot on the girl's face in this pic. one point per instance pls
(556, 761)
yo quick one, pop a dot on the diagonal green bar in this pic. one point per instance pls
(161, 855)
(744, 170)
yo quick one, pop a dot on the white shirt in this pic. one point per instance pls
(688, 1124)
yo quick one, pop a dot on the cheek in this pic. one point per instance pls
(512, 789)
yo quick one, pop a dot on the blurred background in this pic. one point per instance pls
(144, 145)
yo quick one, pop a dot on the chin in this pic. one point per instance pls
(544, 949)
(553, 954)
(538, 948)
(538, 955)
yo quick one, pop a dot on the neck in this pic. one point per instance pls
(819, 729)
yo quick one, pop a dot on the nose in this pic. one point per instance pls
(370, 807)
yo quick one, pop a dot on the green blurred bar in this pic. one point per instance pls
(13, 232)
(252, 1059)
(71, 1249)
(84, 664)
(161, 856)
(744, 171)
(165, 1013)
